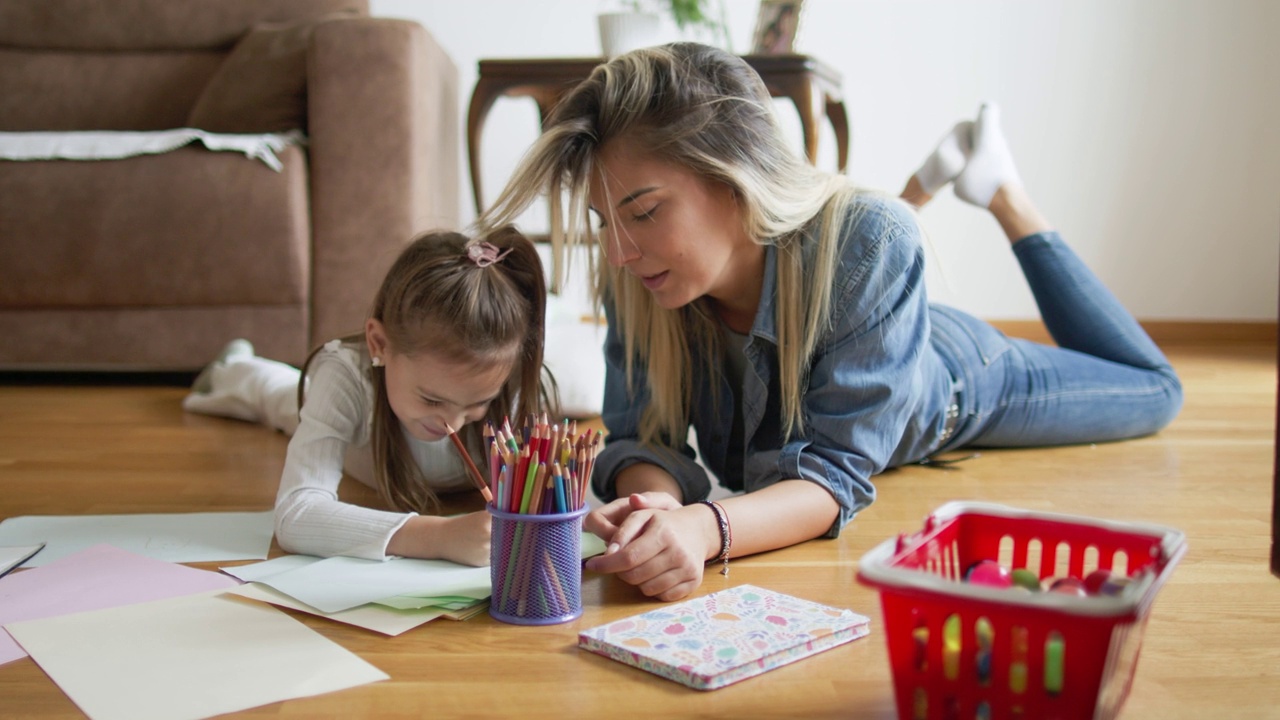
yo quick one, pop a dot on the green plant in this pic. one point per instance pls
(691, 13)
(696, 15)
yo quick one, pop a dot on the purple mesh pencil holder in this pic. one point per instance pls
(535, 562)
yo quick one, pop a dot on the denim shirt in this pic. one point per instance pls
(876, 396)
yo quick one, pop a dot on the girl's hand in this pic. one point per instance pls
(661, 550)
(464, 539)
(603, 522)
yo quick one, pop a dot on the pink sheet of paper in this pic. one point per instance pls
(94, 579)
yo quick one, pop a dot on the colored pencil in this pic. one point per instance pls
(471, 466)
(541, 467)
(554, 577)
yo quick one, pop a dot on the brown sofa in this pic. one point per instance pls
(154, 262)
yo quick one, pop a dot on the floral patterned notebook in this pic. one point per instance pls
(727, 636)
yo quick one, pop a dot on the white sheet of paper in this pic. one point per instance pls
(336, 584)
(377, 618)
(187, 658)
(591, 545)
(341, 583)
(14, 555)
(177, 537)
(253, 572)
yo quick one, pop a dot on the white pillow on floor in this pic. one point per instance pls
(574, 353)
(574, 349)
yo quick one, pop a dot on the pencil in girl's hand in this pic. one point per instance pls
(471, 466)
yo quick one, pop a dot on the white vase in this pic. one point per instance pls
(623, 32)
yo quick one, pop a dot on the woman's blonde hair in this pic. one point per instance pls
(435, 299)
(706, 110)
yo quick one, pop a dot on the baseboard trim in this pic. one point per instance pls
(1169, 332)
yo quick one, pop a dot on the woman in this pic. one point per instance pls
(781, 313)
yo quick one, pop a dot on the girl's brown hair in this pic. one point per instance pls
(436, 299)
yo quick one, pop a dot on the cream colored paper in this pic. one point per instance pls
(187, 658)
(93, 579)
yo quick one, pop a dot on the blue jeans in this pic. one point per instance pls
(1106, 379)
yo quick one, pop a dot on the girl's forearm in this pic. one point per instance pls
(457, 538)
(416, 538)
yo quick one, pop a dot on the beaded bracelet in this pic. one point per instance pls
(726, 535)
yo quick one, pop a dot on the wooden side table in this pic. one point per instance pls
(813, 87)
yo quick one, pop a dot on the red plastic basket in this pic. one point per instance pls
(973, 652)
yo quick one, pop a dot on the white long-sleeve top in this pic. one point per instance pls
(333, 435)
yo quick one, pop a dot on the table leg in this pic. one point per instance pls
(482, 99)
(840, 123)
(807, 97)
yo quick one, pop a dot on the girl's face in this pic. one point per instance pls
(427, 392)
(679, 233)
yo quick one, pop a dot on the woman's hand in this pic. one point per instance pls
(603, 522)
(662, 548)
(656, 544)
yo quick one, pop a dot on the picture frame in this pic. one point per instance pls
(777, 24)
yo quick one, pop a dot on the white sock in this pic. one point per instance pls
(253, 389)
(991, 164)
(947, 160)
(235, 350)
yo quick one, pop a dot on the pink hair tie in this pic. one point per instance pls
(485, 254)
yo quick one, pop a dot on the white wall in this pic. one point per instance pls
(1148, 130)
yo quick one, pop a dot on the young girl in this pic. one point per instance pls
(782, 314)
(454, 338)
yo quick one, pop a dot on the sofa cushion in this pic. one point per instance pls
(146, 25)
(186, 228)
(262, 84)
(58, 91)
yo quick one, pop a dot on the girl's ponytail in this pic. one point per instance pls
(535, 388)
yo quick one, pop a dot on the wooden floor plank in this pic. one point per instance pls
(1212, 646)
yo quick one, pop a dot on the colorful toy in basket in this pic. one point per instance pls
(967, 641)
(1101, 581)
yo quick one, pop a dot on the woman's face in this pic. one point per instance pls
(681, 235)
(427, 392)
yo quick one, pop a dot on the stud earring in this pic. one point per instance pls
(376, 362)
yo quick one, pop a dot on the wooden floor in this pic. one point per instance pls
(1212, 646)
